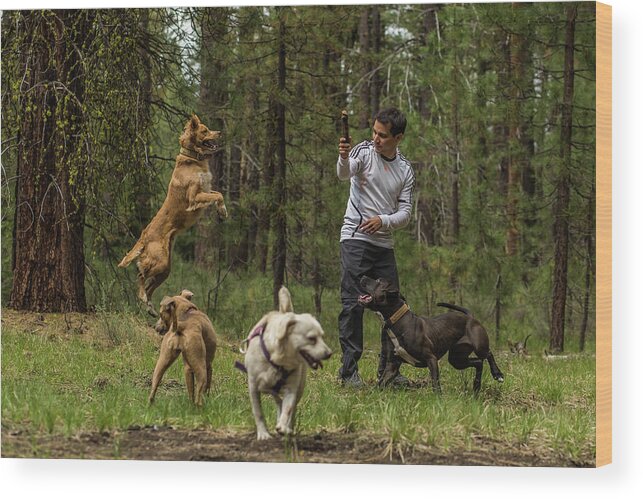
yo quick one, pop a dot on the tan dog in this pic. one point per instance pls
(187, 197)
(189, 332)
(280, 348)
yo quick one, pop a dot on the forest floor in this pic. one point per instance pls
(170, 444)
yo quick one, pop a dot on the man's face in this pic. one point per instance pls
(385, 143)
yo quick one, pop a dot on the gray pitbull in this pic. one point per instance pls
(422, 341)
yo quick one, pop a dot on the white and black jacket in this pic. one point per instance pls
(378, 187)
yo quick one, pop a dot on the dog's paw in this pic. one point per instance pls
(223, 212)
(283, 430)
(263, 435)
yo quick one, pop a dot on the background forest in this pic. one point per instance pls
(501, 106)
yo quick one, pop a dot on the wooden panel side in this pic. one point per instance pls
(603, 234)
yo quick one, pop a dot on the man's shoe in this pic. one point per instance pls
(353, 381)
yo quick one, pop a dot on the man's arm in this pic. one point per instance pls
(351, 159)
(405, 205)
(344, 160)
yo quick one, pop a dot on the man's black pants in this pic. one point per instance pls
(359, 258)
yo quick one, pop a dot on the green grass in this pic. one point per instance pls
(92, 373)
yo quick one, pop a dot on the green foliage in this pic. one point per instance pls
(446, 66)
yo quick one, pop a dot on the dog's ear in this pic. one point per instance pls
(195, 121)
(169, 303)
(286, 324)
(175, 321)
(187, 294)
(166, 299)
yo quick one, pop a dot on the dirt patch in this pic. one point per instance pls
(169, 444)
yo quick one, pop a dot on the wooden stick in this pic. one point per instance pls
(345, 133)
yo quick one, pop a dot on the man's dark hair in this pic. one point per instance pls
(393, 116)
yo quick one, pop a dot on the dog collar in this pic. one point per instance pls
(192, 154)
(398, 315)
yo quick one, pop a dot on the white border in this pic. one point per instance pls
(70, 479)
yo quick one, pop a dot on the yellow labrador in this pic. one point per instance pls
(279, 350)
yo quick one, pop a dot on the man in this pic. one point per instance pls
(380, 201)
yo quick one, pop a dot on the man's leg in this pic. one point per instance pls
(351, 338)
(351, 334)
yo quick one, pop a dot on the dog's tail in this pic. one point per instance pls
(132, 254)
(456, 307)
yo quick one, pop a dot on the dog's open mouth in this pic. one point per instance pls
(210, 144)
(312, 362)
(365, 299)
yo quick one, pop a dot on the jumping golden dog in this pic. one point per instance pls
(188, 195)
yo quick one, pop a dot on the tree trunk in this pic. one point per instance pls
(425, 220)
(143, 188)
(516, 76)
(317, 278)
(365, 54)
(254, 183)
(212, 100)
(296, 244)
(454, 232)
(49, 262)
(245, 167)
(425, 224)
(498, 304)
(427, 27)
(264, 209)
(589, 265)
(376, 37)
(501, 130)
(279, 191)
(561, 214)
(234, 252)
(249, 84)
